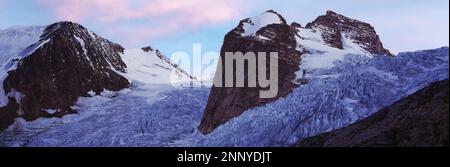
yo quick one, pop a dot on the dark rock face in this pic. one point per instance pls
(333, 26)
(8, 113)
(421, 119)
(68, 62)
(225, 103)
(147, 49)
(296, 25)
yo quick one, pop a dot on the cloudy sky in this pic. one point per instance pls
(174, 25)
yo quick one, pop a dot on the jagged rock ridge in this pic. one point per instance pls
(178, 70)
(334, 26)
(269, 32)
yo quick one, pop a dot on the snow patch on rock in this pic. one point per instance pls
(256, 23)
(319, 54)
(82, 44)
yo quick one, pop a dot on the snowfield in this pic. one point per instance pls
(13, 40)
(147, 67)
(353, 88)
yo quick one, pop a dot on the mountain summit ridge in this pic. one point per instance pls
(67, 62)
(331, 35)
(335, 26)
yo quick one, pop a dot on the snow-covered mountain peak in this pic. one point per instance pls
(251, 26)
(70, 61)
(331, 37)
(267, 32)
(323, 44)
(336, 29)
(96, 50)
(317, 54)
(340, 18)
(67, 62)
(67, 27)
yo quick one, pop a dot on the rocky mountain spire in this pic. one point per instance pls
(267, 32)
(334, 27)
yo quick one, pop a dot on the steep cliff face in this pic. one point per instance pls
(265, 33)
(421, 119)
(334, 27)
(327, 39)
(67, 62)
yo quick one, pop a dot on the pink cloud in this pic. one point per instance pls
(156, 18)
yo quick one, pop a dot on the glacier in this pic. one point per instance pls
(355, 87)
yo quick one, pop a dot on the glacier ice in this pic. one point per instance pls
(353, 89)
(162, 115)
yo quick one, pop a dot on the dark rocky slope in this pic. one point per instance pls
(66, 63)
(333, 26)
(421, 119)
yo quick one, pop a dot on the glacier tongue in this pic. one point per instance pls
(164, 115)
(356, 87)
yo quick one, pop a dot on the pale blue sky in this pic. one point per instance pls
(403, 25)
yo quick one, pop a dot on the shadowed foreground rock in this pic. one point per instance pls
(420, 119)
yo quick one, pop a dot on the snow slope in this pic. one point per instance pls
(11, 64)
(13, 40)
(161, 115)
(320, 55)
(151, 67)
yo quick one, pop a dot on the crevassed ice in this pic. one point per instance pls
(353, 89)
(160, 115)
